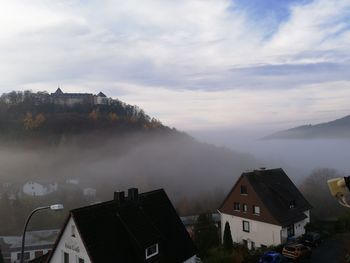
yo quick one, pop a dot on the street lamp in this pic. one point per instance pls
(56, 207)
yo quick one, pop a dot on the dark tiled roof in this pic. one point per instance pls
(277, 191)
(41, 259)
(114, 232)
(101, 94)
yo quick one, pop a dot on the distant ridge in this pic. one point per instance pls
(337, 129)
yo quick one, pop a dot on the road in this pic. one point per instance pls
(332, 250)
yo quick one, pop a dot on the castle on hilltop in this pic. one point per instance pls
(70, 99)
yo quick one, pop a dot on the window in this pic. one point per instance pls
(245, 243)
(244, 190)
(246, 226)
(256, 210)
(151, 251)
(236, 206)
(73, 230)
(292, 204)
(245, 208)
(81, 260)
(65, 257)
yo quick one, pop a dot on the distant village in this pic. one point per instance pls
(263, 209)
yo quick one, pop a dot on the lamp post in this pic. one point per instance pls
(56, 207)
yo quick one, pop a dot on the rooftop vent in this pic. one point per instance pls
(119, 197)
(133, 194)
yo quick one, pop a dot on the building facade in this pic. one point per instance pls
(140, 228)
(264, 208)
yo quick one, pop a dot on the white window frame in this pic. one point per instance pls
(153, 254)
(245, 208)
(256, 210)
(246, 226)
(238, 205)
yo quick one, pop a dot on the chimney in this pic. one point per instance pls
(119, 197)
(133, 194)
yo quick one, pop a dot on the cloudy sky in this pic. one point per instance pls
(194, 64)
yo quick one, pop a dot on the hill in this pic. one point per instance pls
(49, 118)
(111, 147)
(336, 129)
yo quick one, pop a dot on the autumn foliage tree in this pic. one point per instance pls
(31, 122)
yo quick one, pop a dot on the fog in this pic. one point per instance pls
(185, 168)
(298, 157)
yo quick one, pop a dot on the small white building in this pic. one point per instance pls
(89, 192)
(133, 229)
(37, 244)
(36, 189)
(264, 208)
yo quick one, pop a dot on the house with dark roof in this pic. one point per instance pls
(138, 228)
(264, 208)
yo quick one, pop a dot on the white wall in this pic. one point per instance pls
(14, 255)
(260, 233)
(191, 260)
(71, 245)
(34, 189)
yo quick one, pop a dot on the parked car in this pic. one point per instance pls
(296, 251)
(272, 257)
(311, 239)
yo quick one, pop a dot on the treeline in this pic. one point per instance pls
(30, 114)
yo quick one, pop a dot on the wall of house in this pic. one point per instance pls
(260, 233)
(16, 255)
(71, 245)
(191, 260)
(34, 189)
(299, 228)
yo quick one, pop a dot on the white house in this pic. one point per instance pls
(141, 228)
(36, 189)
(264, 208)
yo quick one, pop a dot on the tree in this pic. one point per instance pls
(94, 115)
(206, 234)
(228, 243)
(113, 117)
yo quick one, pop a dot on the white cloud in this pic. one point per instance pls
(175, 58)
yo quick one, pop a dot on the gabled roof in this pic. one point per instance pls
(277, 191)
(101, 94)
(58, 91)
(41, 259)
(120, 232)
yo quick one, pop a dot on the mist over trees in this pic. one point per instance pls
(106, 148)
(315, 189)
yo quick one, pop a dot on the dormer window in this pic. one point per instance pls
(244, 190)
(151, 251)
(292, 204)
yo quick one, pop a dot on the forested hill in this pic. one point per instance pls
(28, 115)
(336, 129)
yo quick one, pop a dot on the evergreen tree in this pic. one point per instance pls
(205, 234)
(228, 243)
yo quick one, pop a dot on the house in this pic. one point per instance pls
(37, 243)
(140, 228)
(36, 189)
(264, 208)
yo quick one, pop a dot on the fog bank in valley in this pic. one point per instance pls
(299, 157)
(178, 163)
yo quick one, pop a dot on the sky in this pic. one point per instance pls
(193, 64)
